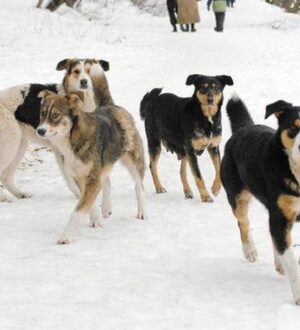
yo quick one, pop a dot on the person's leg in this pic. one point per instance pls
(222, 19)
(193, 27)
(173, 20)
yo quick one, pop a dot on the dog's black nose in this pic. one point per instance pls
(83, 82)
(41, 131)
(210, 100)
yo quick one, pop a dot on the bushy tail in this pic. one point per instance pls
(146, 101)
(238, 114)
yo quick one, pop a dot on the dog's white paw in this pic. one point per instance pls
(106, 212)
(95, 218)
(67, 238)
(142, 215)
(23, 195)
(250, 252)
(5, 198)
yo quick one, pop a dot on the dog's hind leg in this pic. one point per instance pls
(240, 210)
(282, 218)
(8, 174)
(106, 198)
(186, 187)
(192, 159)
(277, 262)
(136, 169)
(214, 153)
(90, 187)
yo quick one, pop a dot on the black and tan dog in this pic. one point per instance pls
(186, 126)
(90, 144)
(265, 163)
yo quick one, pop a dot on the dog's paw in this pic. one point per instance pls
(216, 187)
(5, 198)
(66, 238)
(279, 269)
(206, 199)
(142, 215)
(23, 195)
(250, 252)
(106, 212)
(188, 194)
(161, 190)
(95, 222)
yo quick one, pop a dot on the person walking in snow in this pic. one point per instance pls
(230, 3)
(219, 7)
(188, 13)
(172, 10)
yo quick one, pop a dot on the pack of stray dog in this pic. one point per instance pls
(88, 134)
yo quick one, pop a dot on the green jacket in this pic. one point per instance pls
(219, 6)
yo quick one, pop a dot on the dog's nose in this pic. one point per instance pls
(210, 100)
(41, 131)
(83, 82)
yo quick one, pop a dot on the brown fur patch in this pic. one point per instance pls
(289, 206)
(202, 142)
(297, 123)
(241, 213)
(286, 140)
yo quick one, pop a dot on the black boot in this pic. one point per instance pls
(187, 28)
(174, 28)
(193, 28)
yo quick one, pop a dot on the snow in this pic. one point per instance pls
(183, 268)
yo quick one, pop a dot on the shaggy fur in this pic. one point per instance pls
(90, 144)
(265, 163)
(186, 126)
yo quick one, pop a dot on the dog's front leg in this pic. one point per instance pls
(281, 224)
(91, 186)
(69, 180)
(106, 198)
(192, 159)
(214, 153)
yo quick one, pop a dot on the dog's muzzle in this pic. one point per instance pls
(83, 83)
(41, 131)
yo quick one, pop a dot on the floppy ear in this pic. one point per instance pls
(44, 93)
(75, 96)
(225, 80)
(192, 78)
(62, 65)
(104, 64)
(277, 108)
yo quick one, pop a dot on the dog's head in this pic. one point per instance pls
(289, 126)
(79, 73)
(57, 113)
(209, 90)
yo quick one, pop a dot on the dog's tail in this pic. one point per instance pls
(146, 101)
(238, 114)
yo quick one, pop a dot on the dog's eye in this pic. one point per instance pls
(216, 89)
(43, 114)
(55, 115)
(76, 71)
(203, 89)
(293, 131)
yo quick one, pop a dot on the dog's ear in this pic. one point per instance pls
(225, 80)
(192, 79)
(104, 64)
(277, 108)
(75, 96)
(44, 93)
(62, 65)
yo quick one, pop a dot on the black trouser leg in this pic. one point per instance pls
(173, 19)
(220, 18)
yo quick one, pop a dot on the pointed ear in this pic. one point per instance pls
(44, 93)
(62, 65)
(104, 64)
(192, 78)
(75, 96)
(225, 80)
(277, 108)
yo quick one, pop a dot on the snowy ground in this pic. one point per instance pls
(183, 268)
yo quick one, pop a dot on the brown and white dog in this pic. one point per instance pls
(90, 143)
(22, 102)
